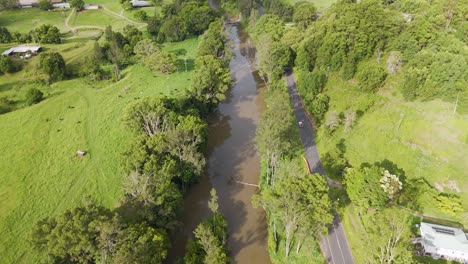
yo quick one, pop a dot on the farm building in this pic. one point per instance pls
(444, 242)
(22, 51)
(138, 3)
(61, 5)
(90, 7)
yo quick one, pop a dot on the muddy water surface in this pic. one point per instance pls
(232, 157)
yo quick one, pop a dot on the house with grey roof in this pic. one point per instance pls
(444, 242)
(22, 51)
(141, 3)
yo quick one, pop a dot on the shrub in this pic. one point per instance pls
(6, 64)
(5, 35)
(45, 5)
(53, 65)
(141, 15)
(371, 77)
(5, 105)
(320, 106)
(34, 96)
(78, 4)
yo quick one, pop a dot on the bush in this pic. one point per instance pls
(320, 106)
(47, 34)
(53, 65)
(34, 96)
(5, 35)
(154, 24)
(5, 105)
(140, 15)
(312, 83)
(78, 4)
(371, 77)
(45, 5)
(6, 64)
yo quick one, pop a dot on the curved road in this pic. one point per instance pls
(334, 246)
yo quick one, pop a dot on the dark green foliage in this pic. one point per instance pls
(304, 14)
(319, 106)
(45, 5)
(34, 96)
(273, 57)
(141, 243)
(211, 81)
(335, 162)
(349, 68)
(363, 187)
(279, 8)
(154, 24)
(173, 29)
(371, 77)
(141, 15)
(270, 25)
(8, 4)
(53, 65)
(213, 42)
(196, 17)
(5, 105)
(132, 36)
(74, 236)
(78, 4)
(162, 62)
(47, 34)
(312, 83)
(5, 35)
(6, 64)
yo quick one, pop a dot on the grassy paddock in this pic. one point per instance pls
(320, 4)
(23, 20)
(40, 174)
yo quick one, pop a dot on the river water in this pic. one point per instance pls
(232, 157)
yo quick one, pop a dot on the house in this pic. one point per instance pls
(22, 51)
(444, 242)
(139, 3)
(28, 3)
(61, 6)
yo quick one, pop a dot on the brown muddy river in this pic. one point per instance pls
(232, 157)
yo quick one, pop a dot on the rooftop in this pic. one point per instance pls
(21, 49)
(444, 237)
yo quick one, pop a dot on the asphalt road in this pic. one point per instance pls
(335, 247)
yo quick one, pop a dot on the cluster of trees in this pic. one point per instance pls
(92, 233)
(46, 34)
(180, 20)
(210, 243)
(53, 65)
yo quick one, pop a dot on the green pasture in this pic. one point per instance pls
(24, 20)
(319, 4)
(40, 175)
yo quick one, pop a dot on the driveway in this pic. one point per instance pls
(334, 246)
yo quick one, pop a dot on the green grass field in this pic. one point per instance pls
(319, 4)
(39, 173)
(24, 20)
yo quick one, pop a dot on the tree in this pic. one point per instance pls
(45, 5)
(5, 35)
(390, 235)
(47, 34)
(145, 48)
(211, 80)
(391, 185)
(162, 62)
(270, 25)
(298, 200)
(173, 29)
(215, 254)
(272, 135)
(74, 235)
(197, 18)
(6, 64)
(320, 105)
(141, 243)
(213, 42)
(154, 24)
(34, 96)
(213, 202)
(371, 78)
(141, 15)
(304, 14)
(364, 188)
(53, 65)
(78, 4)
(273, 57)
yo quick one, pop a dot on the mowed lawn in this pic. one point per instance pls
(40, 175)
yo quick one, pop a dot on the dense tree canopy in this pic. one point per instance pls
(47, 34)
(53, 65)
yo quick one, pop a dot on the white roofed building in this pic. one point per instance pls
(444, 242)
(22, 50)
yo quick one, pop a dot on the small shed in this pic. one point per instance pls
(28, 3)
(61, 5)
